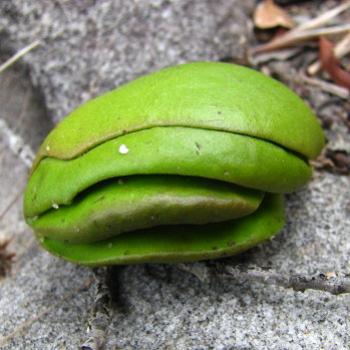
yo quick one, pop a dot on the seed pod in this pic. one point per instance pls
(184, 164)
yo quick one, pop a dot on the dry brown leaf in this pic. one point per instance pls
(331, 64)
(268, 15)
(341, 49)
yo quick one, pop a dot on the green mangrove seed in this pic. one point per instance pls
(184, 164)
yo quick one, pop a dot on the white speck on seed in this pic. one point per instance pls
(55, 206)
(47, 148)
(123, 149)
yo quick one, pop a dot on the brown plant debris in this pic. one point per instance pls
(341, 49)
(325, 17)
(334, 161)
(324, 86)
(269, 15)
(310, 29)
(6, 258)
(18, 55)
(100, 314)
(331, 64)
(295, 37)
(331, 282)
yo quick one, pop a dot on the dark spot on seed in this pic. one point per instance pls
(198, 145)
(219, 112)
(224, 254)
(231, 243)
(99, 199)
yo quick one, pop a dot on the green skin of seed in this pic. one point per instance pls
(109, 209)
(202, 143)
(206, 95)
(224, 156)
(178, 243)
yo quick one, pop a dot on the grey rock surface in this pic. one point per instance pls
(89, 47)
(45, 303)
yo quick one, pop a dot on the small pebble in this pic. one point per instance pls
(55, 206)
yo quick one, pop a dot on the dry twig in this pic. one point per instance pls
(324, 86)
(324, 17)
(19, 54)
(100, 315)
(295, 36)
(292, 75)
(308, 30)
(334, 283)
(282, 55)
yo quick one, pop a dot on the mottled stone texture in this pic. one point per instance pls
(87, 48)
